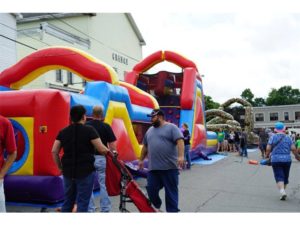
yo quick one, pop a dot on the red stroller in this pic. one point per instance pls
(119, 181)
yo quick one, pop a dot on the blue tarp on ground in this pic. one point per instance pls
(214, 158)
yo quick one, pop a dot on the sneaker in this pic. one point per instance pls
(159, 210)
(283, 196)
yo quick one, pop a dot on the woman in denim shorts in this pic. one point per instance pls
(279, 149)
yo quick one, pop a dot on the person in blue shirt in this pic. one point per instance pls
(279, 148)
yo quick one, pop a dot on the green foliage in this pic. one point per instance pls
(209, 103)
(259, 102)
(285, 95)
(248, 96)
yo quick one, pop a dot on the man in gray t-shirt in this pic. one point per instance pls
(164, 146)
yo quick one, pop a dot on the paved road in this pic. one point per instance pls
(229, 185)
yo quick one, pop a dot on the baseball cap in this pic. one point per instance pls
(156, 112)
(279, 127)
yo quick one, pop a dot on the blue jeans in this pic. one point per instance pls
(156, 180)
(244, 151)
(187, 156)
(78, 191)
(105, 204)
(237, 146)
(263, 147)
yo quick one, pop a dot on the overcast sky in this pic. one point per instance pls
(234, 51)
(236, 44)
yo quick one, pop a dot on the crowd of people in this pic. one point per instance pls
(167, 148)
(232, 141)
(275, 146)
(278, 150)
(85, 144)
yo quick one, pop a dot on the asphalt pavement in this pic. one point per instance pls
(227, 186)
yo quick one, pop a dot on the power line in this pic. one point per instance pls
(18, 42)
(25, 34)
(52, 45)
(57, 18)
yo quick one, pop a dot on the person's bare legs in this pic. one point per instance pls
(281, 186)
(219, 147)
(225, 145)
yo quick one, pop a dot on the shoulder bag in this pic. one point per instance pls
(272, 147)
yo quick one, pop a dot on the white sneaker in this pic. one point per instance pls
(283, 195)
(159, 210)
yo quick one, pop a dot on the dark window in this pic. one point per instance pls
(274, 116)
(70, 77)
(116, 69)
(59, 76)
(83, 82)
(286, 116)
(297, 115)
(259, 117)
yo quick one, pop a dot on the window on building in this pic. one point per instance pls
(116, 69)
(70, 77)
(259, 117)
(274, 116)
(297, 115)
(286, 116)
(83, 82)
(59, 76)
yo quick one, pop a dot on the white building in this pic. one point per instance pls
(267, 116)
(114, 38)
(8, 35)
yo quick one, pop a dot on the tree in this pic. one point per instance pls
(248, 96)
(285, 95)
(209, 103)
(259, 102)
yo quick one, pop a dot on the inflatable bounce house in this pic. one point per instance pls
(179, 95)
(38, 115)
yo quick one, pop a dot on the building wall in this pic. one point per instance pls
(110, 36)
(116, 31)
(293, 111)
(8, 55)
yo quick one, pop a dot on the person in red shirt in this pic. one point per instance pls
(8, 144)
